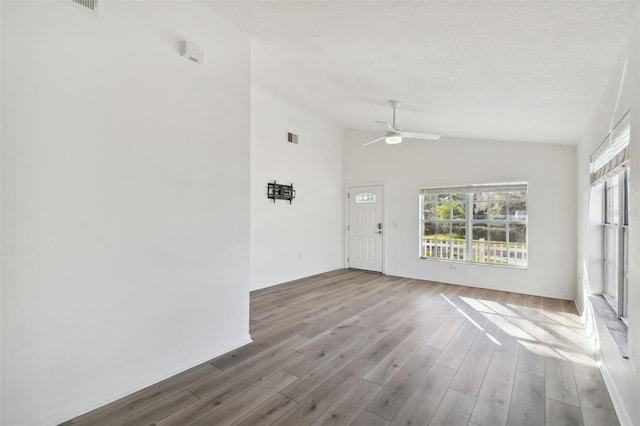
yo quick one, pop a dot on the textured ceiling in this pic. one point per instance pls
(505, 70)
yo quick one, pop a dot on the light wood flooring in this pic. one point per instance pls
(356, 348)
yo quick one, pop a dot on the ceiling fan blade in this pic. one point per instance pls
(373, 141)
(416, 135)
(389, 126)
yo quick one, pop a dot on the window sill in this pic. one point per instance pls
(464, 262)
(617, 328)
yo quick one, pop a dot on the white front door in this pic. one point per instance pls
(365, 228)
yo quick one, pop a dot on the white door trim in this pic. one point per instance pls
(348, 189)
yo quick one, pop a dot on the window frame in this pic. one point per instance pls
(471, 250)
(615, 223)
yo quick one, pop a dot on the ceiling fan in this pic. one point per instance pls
(395, 134)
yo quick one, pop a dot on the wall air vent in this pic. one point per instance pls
(292, 138)
(91, 5)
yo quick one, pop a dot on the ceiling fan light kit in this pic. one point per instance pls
(393, 139)
(395, 134)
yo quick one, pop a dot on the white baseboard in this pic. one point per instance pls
(616, 399)
(587, 315)
(57, 418)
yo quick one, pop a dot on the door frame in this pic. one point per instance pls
(348, 187)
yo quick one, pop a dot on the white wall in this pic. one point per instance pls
(290, 241)
(404, 168)
(125, 195)
(622, 376)
(1, 209)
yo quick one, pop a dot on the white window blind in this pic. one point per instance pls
(612, 155)
(480, 187)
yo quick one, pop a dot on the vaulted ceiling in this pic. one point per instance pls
(503, 70)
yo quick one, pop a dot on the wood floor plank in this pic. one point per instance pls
(147, 397)
(496, 307)
(381, 348)
(321, 356)
(425, 400)
(530, 359)
(519, 303)
(342, 331)
(561, 414)
(533, 347)
(344, 411)
(337, 300)
(365, 418)
(257, 347)
(527, 401)
(385, 313)
(327, 394)
(336, 319)
(443, 335)
(268, 412)
(282, 294)
(455, 351)
(511, 335)
(300, 312)
(455, 409)
(536, 331)
(592, 393)
(494, 398)
(336, 315)
(493, 325)
(158, 411)
(306, 384)
(471, 372)
(554, 310)
(259, 364)
(401, 294)
(399, 389)
(596, 417)
(559, 381)
(467, 303)
(535, 308)
(565, 340)
(404, 350)
(212, 399)
(245, 403)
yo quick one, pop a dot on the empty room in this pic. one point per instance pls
(319, 212)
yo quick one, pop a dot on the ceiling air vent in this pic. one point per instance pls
(92, 5)
(292, 138)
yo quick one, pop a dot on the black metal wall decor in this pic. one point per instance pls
(276, 191)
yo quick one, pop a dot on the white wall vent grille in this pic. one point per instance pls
(92, 5)
(292, 138)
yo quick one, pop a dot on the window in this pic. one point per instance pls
(610, 168)
(444, 225)
(616, 241)
(476, 223)
(365, 197)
